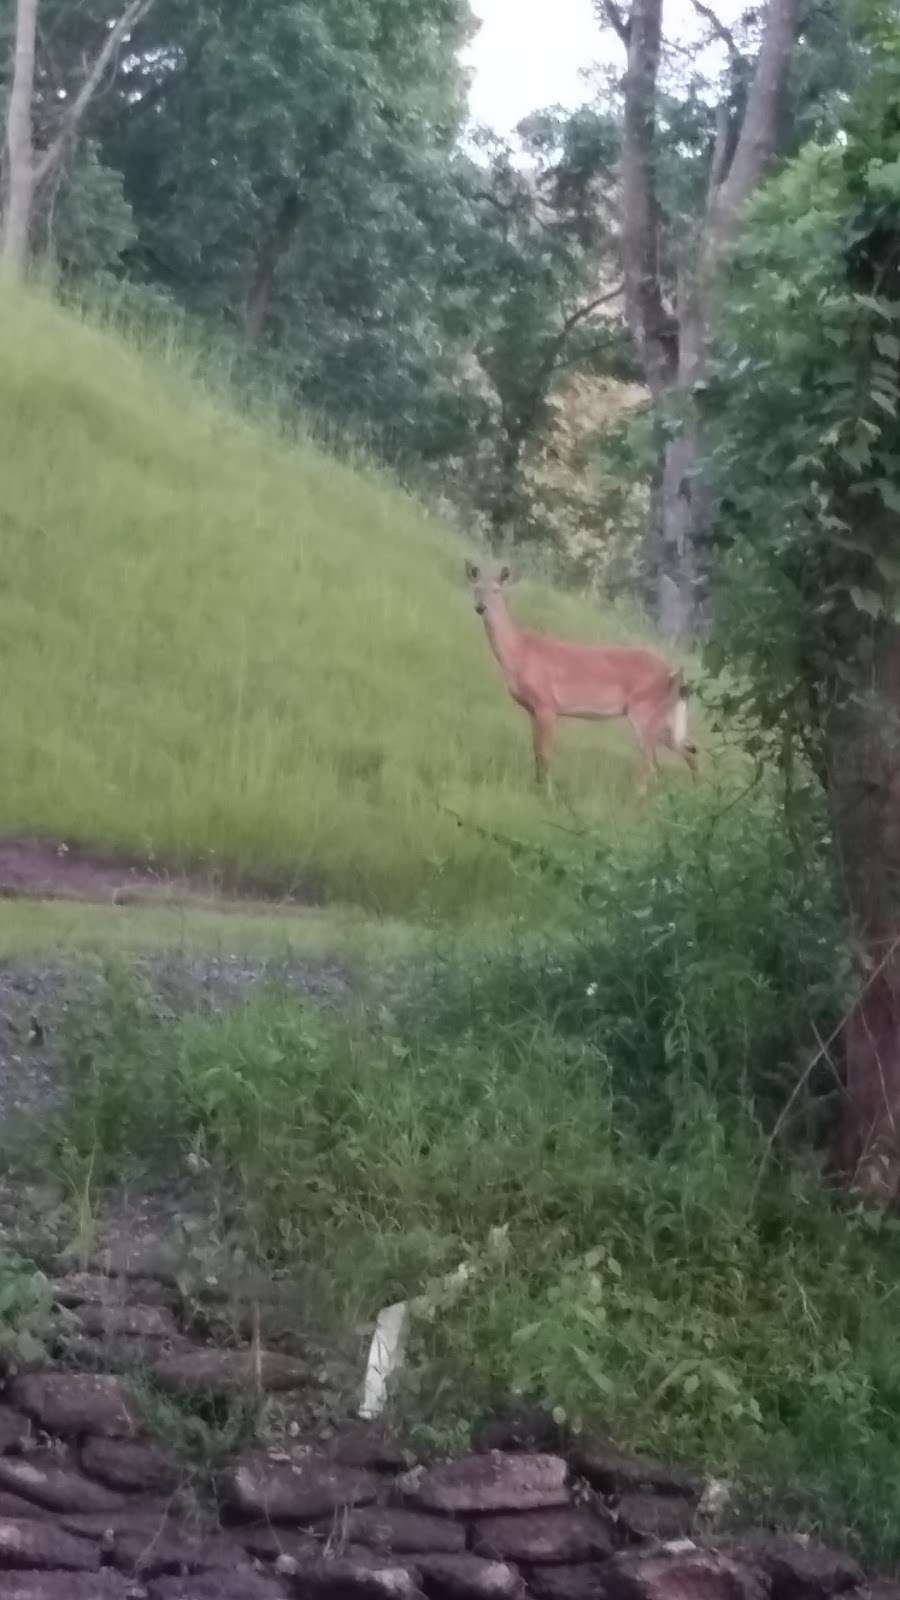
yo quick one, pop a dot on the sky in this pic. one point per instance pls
(530, 53)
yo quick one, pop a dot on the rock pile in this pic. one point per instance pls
(90, 1509)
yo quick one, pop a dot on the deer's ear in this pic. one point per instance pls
(471, 572)
(504, 575)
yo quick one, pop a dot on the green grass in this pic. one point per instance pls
(231, 652)
(582, 1115)
(75, 930)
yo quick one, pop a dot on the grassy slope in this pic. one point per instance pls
(216, 647)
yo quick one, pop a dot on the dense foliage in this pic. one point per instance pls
(803, 402)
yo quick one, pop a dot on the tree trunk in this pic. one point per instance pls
(672, 350)
(675, 537)
(27, 172)
(20, 178)
(275, 245)
(865, 796)
(682, 508)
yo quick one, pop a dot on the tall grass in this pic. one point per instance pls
(231, 651)
(585, 1118)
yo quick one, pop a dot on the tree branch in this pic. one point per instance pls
(758, 138)
(720, 32)
(609, 10)
(579, 315)
(51, 157)
(653, 329)
(722, 154)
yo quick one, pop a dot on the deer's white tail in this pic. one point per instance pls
(678, 721)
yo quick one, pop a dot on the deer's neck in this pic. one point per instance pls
(504, 639)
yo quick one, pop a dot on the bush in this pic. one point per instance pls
(696, 969)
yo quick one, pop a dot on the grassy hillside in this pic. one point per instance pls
(221, 649)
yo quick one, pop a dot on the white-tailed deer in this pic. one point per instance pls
(551, 678)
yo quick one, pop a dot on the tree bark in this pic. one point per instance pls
(672, 348)
(864, 786)
(28, 171)
(19, 197)
(275, 245)
(653, 327)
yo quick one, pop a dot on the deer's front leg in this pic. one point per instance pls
(543, 727)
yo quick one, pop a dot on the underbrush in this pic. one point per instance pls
(592, 1124)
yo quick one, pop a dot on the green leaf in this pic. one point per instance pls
(889, 567)
(882, 308)
(867, 600)
(887, 344)
(589, 1366)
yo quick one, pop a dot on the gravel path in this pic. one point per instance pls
(33, 997)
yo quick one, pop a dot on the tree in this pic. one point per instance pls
(543, 285)
(32, 168)
(802, 412)
(671, 337)
(293, 174)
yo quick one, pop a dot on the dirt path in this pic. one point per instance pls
(47, 869)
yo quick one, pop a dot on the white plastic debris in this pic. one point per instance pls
(392, 1327)
(715, 1497)
(385, 1356)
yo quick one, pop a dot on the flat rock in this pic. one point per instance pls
(208, 1371)
(542, 1536)
(797, 1571)
(15, 1431)
(656, 1516)
(37, 1544)
(74, 1403)
(95, 1288)
(124, 1357)
(13, 1505)
(266, 1543)
(111, 1321)
(215, 1586)
(393, 1530)
(295, 1490)
(84, 1288)
(102, 1585)
(520, 1428)
(685, 1575)
(140, 1257)
(501, 1481)
(583, 1581)
(369, 1446)
(126, 1464)
(469, 1577)
(351, 1577)
(147, 1516)
(41, 1479)
(174, 1549)
(613, 1472)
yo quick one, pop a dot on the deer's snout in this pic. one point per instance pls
(480, 607)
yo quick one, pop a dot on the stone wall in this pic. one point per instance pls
(92, 1509)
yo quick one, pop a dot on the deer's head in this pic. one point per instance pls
(486, 587)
